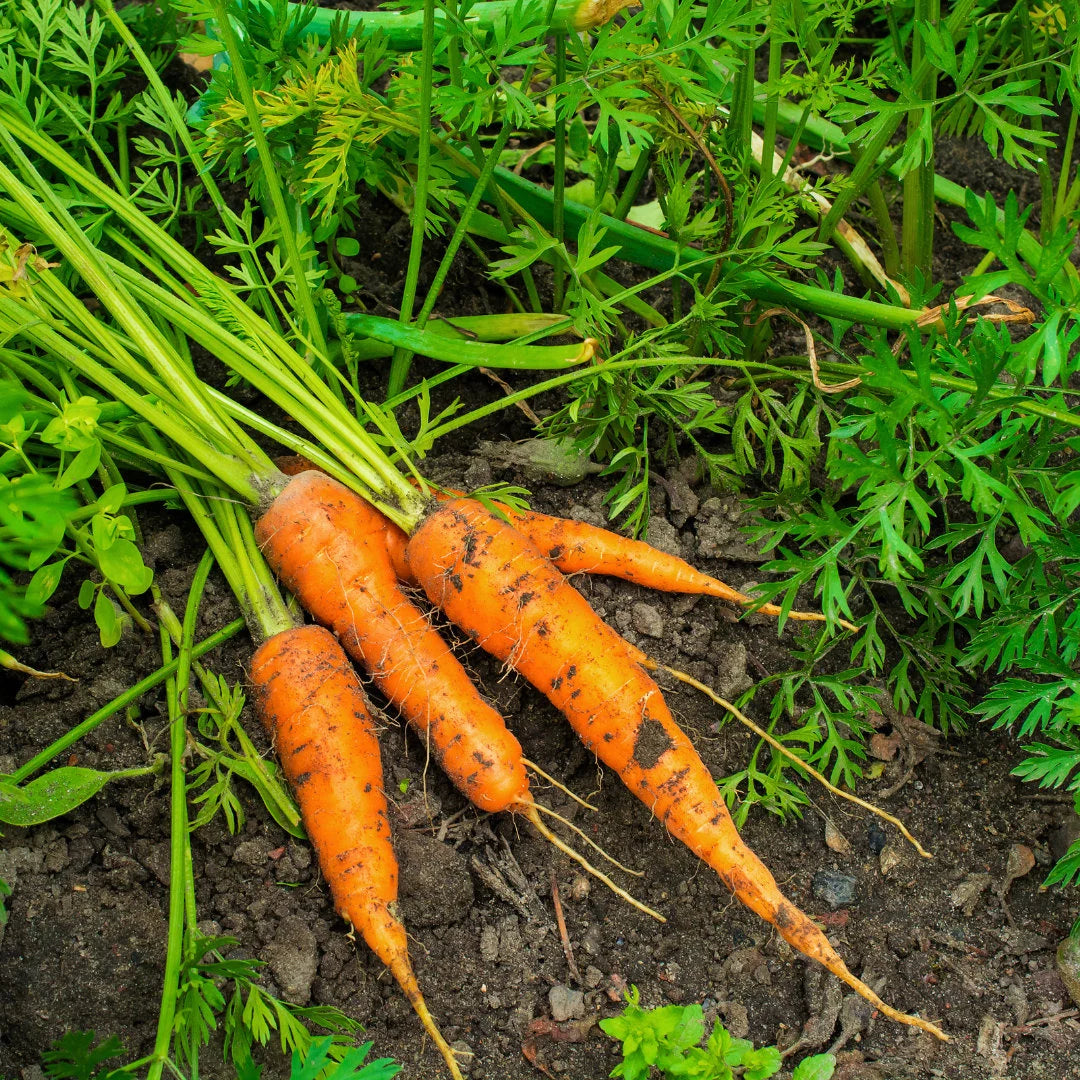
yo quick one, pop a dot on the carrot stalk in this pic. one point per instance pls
(501, 590)
(310, 701)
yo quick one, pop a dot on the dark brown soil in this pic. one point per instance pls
(84, 944)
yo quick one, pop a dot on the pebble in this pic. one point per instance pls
(293, 957)
(1068, 963)
(566, 1004)
(835, 889)
(251, 853)
(593, 977)
(876, 837)
(647, 620)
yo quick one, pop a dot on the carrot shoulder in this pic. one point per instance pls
(499, 588)
(310, 701)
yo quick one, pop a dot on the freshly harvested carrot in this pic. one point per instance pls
(500, 588)
(310, 701)
(576, 547)
(328, 546)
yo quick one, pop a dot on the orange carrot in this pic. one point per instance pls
(310, 701)
(576, 547)
(498, 587)
(328, 547)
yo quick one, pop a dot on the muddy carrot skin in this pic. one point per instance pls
(328, 547)
(502, 590)
(576, 547)
(312, 706)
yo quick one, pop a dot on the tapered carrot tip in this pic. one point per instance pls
(402, 971)
(887, 1010)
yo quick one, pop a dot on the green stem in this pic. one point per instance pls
(875, 147)
(1066, 164)
(558, 225)
(772, 101)
(917, 227)
(179, 836)
(167, 103)
(1042, 166)
(399, 366)
(54, 749)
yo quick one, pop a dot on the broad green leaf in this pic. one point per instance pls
(818, 1067)
(51, 795)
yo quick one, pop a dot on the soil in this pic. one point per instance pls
(83, 947)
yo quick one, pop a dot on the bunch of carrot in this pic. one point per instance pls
(330, 540)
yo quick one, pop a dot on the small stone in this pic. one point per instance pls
(876, 837)
(990, 1043)
(1068, 963)
(464, 1054)
(566, 1004)
(835, 840)
(736, 1018)
(966, 895)
(293, 957)
(489, 944)
(580, 887)
(593, 977)
(890, 858)
(647, 620)
(251, 853)
(835, 889)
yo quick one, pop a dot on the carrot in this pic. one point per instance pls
(310, 701)
(328, 546)
(396, 538)
(576, 547)
(498, 587)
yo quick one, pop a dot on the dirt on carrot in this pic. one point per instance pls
(499, 588)
(313, 708)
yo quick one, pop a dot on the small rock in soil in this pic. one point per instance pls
(876, 837)
(647, 620)
(1068, 963)
(836, 890)
(566, 1004)
(253, 853)
(293, 957)
(736, 1018)
(990, 1044)
(966, 895)
(889, 858)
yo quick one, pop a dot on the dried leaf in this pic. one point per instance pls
(884, 747)
(1020, 862)
(966, 895)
